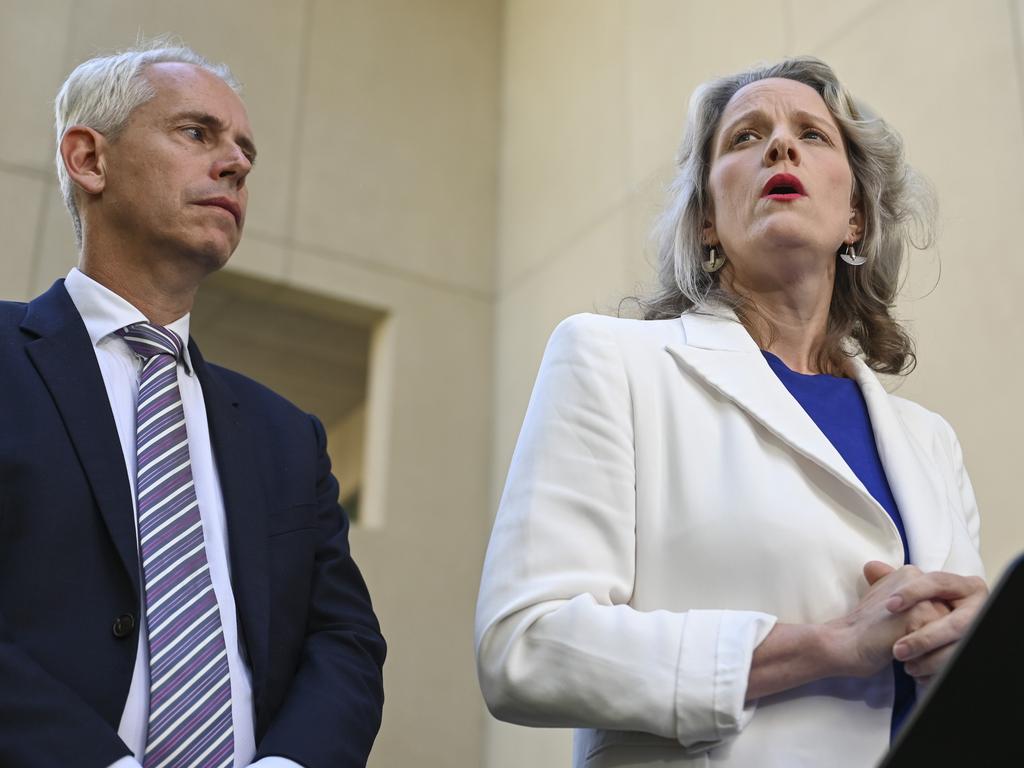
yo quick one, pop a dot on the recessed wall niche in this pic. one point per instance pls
(312, 349)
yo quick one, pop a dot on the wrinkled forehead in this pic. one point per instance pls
(776, 96)
(179, 85)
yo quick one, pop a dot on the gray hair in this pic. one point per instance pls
(101, 93)
(896, 203)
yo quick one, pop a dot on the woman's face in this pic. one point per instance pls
(780, 183)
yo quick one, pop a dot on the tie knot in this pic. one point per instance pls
(147, 340)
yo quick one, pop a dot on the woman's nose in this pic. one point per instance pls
(781, 148)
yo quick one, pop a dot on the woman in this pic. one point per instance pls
(718, 509)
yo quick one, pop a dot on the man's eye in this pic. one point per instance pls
(194, 132)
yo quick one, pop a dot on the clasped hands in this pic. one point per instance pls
(911, 616)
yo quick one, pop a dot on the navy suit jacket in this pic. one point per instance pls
(69, 560)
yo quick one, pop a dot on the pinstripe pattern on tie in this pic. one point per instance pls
(189, 687)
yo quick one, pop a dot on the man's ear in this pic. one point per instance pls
(83, 151)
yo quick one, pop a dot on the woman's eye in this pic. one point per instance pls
(814, 133)
(743, 137)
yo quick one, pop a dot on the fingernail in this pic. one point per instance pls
(894, 603)
(901, 651)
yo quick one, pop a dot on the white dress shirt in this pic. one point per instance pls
(104, 312)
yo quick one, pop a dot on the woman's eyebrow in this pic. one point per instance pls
(811, 117)
(750, 116)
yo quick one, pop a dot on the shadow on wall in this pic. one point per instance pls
(309, 348)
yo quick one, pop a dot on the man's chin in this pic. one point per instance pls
(213, 255)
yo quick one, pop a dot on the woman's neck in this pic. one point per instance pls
(790, 320)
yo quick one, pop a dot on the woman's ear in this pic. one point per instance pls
(855, 229)
(82, 150)
(709, 235)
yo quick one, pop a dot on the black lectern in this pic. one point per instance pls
(973, 713)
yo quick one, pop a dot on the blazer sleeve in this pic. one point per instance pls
(332, 711)
(972, 519)
(558, 643)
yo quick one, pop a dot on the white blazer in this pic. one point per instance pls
(668, 501)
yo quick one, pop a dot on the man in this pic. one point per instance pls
(176, 587)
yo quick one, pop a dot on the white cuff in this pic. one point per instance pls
(273, 761)
(714, 667)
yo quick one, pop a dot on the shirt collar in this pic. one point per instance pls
(104, 312)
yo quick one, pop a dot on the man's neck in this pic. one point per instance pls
(162, 297)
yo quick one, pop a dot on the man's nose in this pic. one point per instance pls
(233, 164)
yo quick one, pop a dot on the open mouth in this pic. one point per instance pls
(783, 186)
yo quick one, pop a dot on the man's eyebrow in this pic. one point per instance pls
(215, 124)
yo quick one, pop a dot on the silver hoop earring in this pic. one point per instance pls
(850, 256)
(714, 261)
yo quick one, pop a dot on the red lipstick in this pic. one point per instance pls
(783, 186)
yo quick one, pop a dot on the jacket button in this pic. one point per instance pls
(123, 625)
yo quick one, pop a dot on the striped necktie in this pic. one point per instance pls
(189, 688)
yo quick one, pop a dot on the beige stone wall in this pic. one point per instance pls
(480, 169)
(376, 122)
(594, 98)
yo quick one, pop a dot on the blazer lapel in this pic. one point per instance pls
(914, 484)
(64, 358)
(720, 352)
(243, 506)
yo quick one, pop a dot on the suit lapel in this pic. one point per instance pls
(720, 352)
(914, 484)
(63, 356)
(243, 508)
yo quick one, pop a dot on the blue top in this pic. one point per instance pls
(837, 406)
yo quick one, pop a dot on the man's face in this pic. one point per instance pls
(175, 176)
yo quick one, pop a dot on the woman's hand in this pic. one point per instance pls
(862, 641)
(926, 648)
(905, 614)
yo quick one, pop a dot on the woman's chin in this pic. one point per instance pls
(782, 267)
(798, 247)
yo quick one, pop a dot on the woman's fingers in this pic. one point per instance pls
(932, 636)
(937, 585)
(963, 594)
(937, 609)
(909, 615)
(922, 614)
(923, 669)
(929, 647)
(875, 570)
